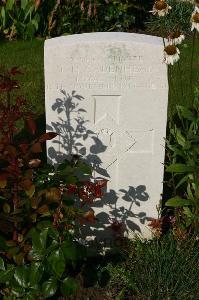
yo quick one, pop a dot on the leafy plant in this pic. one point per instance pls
(183, 154)
(28, 18)
(19, 18)
(101, 15)
(42, 208)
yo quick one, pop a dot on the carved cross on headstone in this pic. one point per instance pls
(118, 140)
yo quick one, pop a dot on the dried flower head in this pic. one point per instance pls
(82, 6)
(95, 8)
(171, 54)
(89, 13)
(89, 216)
(195, 19)
(34, 163)
(160, 8)
(196, 3)
(156, 226)
(175, 38)
(37, 3)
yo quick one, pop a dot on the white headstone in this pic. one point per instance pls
(119, 82)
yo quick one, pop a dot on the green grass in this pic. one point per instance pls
(181, 91)
(29, 56)
(159, 269)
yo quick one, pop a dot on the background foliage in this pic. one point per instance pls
(178, 18)
(27, 18)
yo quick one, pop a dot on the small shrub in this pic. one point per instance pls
(42, 208)
(183, 154)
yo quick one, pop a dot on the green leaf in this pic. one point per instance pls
(63, 165)
(68, 170)
(33, 293)
(6, 208)
(72, 251)
(185, 112)
(36, 254)
(28, 11)
(35, 21)
(180, 168)
(69, 250)
(18, 291)
(180, 138)
(39, 243)
(30, 191)
(57, 262)
(53, 246)
(21, 276)
(183, 180)
(68, 200)
(49, 287)
(43, 237)
(177, 201)
(2, 265)
(3, 245)
(71, 179)
(85, 169)
(3, 15)
(36, 272)
(187, 212)
(189, 192)
(53, 233)
(68, 286)
(7, 275)
(24, 3)
(30, 296)
(10, 4)
(43, 225)
(39, 238)
(30, 30)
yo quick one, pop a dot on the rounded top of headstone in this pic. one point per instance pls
(109, 37)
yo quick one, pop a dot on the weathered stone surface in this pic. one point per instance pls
(120, 85)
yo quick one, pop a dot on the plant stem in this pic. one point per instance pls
(15, 202)
(162, 31)
(192, 59)
(8, 101)
(9, 109)
(180, 78)
(172, 88)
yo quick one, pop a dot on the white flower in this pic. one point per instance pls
(161, 8)
(195, 19)
(171, 54)
(175, 38)
(51, 174)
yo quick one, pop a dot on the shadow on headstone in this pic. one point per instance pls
(73, 133)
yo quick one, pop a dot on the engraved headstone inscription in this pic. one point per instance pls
(106, 95)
